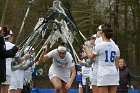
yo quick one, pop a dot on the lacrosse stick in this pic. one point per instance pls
(65, 29)
(57, 7)
(23, 22)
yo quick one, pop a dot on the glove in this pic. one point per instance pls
(15, 49)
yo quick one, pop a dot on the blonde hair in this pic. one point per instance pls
(122, 61)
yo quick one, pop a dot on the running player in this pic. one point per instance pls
(62, 71)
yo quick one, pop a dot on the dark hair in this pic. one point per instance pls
(106, 29)
(4, 29)
(91, 37)
(7, 32)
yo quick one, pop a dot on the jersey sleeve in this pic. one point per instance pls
(97, 48)
(98, 41)
(117, 51)
(52, 53)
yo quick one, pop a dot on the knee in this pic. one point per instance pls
(58, 88)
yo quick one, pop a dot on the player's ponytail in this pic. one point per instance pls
(106, 29)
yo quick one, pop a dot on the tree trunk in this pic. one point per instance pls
(4, 12)
(126, 32)
(110, 13)
(138, 37)
(116, 21)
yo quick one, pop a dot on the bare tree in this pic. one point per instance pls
(4, 13)
(116, 19)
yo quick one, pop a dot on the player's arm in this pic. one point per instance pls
(87, 64)
(117, 62)
(117, 57)
(73, 74)
(43, 57)
(89, 54)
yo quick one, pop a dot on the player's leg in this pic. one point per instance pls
(103, 89)
(80, 88)
(5, 85)
(94, 89)
(112, 89)
(64, 90)
(4, 88)
(56, 81)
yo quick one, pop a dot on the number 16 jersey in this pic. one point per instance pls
(107, 74)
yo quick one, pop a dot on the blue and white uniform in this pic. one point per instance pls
(60, 67)
(104, 71)
(28, 72)
(100, 40)
(10, 75)
(8, 64)
(20, 76)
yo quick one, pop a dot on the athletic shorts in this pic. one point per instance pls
(53, 75)
(20, 79)
(8, 80)
(13, 84)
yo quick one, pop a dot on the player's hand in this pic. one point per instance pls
(68, 85)
(27, 55)
(83, 54)
(37, 63)
(85, 48)
(87, 43)
(44, 48)
(23, 62)
(15, 49)
(81, 62)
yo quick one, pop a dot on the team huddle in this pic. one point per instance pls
(101, 53)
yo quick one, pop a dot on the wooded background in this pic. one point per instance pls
(88, 15)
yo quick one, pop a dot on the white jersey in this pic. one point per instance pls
(8, 60)
(100, 40)
(20, 76)
(8, 64)
(28, 73)
(60, 67)
(106, 72)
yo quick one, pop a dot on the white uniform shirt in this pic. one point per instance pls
(8, 60)
(105, 62)
(28, 73)
(60, 67)
(100, 40)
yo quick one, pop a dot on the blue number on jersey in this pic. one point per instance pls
(112, 56)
